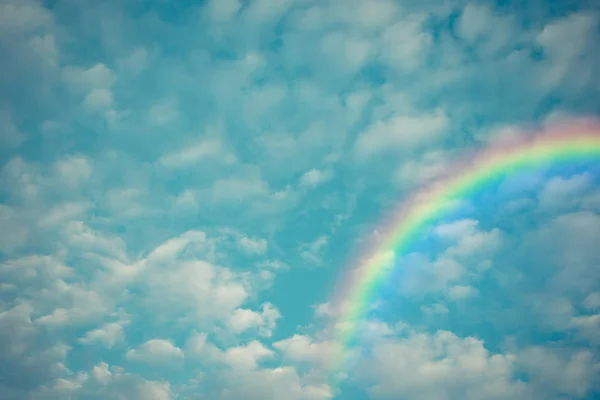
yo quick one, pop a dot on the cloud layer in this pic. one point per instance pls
(183, 186)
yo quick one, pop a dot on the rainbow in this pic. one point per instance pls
(579, 141)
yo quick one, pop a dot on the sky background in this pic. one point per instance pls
(183, 185)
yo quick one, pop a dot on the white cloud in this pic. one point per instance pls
(125, 202)
(23, 16)
(559, 371)
(313, 252)
(61, 317)
(566, 42)
(401, 132)
(222, 11)
(273, 203)
(62, 300)
(11, 136)
(265, 11)
(50, 127)
(257, 383)
(456, 229)
(17, 330)
(374, 330)
(588, 327)
(98, 76)
(195, 344)
(422, 275)
(242, 320)
(207, 149)
(592, 301)
(104, 381)
(169, 250)
(45, 47)
(440, 366)
(474, 21)
(13, 233)
(136, 61)
(156, 351)
(371, 16)
(591, 201)
(567, 246)
(237, 190)
(278, 146)
(69, 386)
(247, 357)
(253, 245)
(568, 36)
(469, 240)
(98, 99)
(28, 358)
(81, 237)
(274, 384)
(497, 135)
(108, 334)
(69, 304)
(405, 44)
(553, 275)
(345, 50)
(314, 178)
(184, 287)
(23, 178)
(274, 265)
(461, 292)
(186, 200)
(154, 391)
(101, 373)
(73, 170)
(261, 101)
(113, 117)
(163, 113)
(46, 269)
(62, 213)
(477, 242)
(481, 26)
(301, 348)
(327, 310)
(553, 310)
(435, 310)
(564, 193)
(7, 287)
(423, 170)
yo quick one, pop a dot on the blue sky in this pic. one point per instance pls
(183, 185)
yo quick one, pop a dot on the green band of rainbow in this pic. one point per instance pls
(579, 142)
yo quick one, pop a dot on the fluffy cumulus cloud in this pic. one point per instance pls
(187, 189)
(155, 351)
(441, 366)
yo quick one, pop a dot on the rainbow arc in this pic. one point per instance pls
(578, 142)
